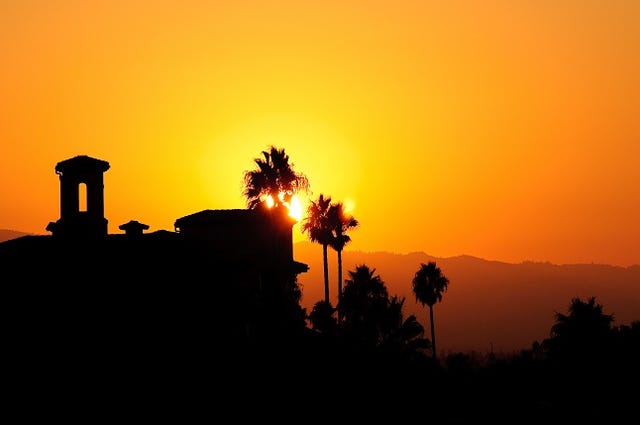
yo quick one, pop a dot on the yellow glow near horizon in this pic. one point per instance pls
(506, 130)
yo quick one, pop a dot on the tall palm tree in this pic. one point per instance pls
(316, 224)
(275, 177)
(341, 223)
(428, 286)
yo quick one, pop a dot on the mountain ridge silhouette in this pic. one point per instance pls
(489, 303)
(8, 234)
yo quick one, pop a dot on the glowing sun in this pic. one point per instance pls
(294, 205)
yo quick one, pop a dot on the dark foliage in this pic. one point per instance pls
(274, 175)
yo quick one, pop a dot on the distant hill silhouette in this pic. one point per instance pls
(488, 303)
(7, 234)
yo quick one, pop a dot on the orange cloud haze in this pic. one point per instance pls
(505, 130)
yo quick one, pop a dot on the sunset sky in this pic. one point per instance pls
(508, 130)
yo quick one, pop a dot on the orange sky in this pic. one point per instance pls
(508, 130)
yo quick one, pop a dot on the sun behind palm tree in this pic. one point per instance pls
(274, 178)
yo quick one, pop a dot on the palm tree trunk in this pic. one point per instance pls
(433, 333)
(326, 272)
(339, 282)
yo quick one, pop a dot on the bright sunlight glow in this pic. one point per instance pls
(269, 200)
(348, 206)
(295, 206)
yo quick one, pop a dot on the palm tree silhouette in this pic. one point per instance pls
(403, 334)
(273, 177)
(340, 222)
(428, 286)
(364, 304)
(584, 331)
(318, 227)
(322, 319)
(364, 284)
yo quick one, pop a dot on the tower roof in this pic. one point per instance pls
(82, 164)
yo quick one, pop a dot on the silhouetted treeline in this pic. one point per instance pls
(167, 333)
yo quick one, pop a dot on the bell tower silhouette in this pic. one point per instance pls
(74, 222)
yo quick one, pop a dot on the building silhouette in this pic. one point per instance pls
(244, 245)
(73, 222)
(221, 279)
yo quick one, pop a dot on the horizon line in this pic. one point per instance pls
(378, 251)
(547, 262)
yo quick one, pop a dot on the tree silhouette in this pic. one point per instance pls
(428, 286)
(584, 332)
(626, 340)
(363, 304)
(374, 321)
(318, 227)
(587, 359)
(322, 319)
(341, 223)
(273, 177)
(403, 336)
